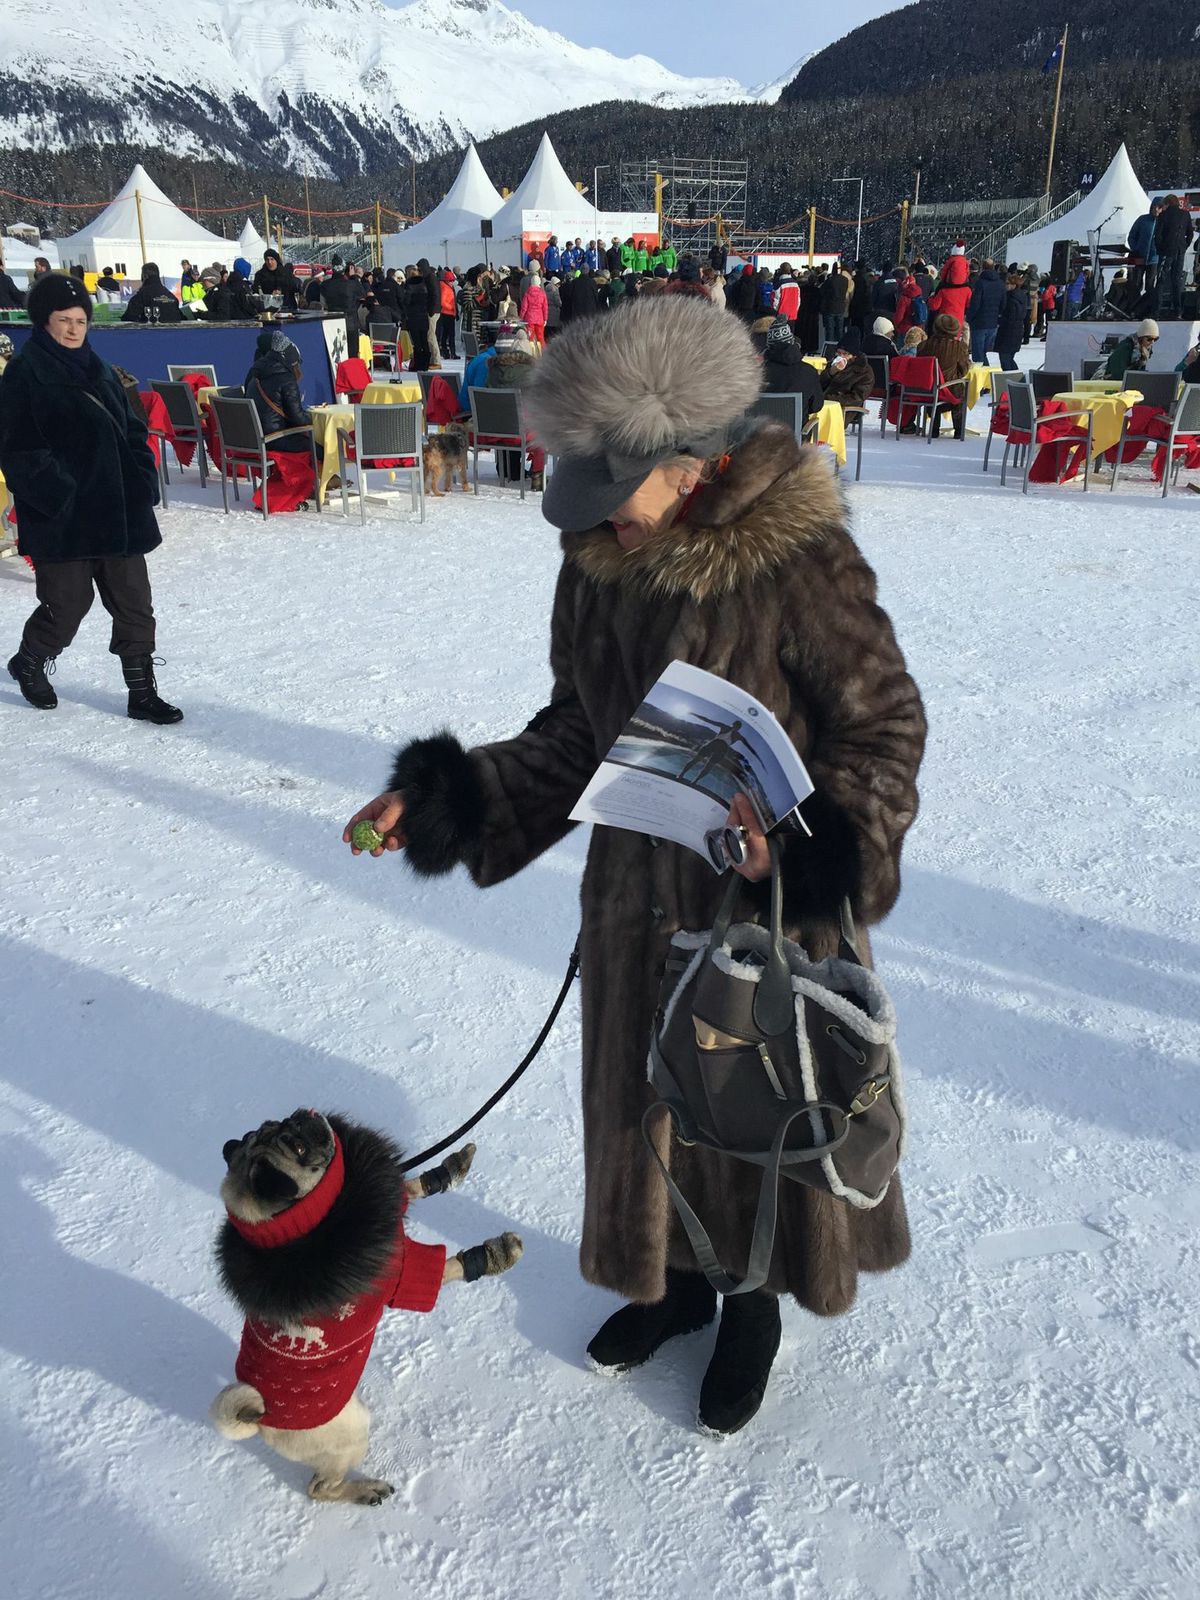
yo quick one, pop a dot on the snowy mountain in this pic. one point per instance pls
(340, 85)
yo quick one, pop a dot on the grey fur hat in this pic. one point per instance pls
(618, 393)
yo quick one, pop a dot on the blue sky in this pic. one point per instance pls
(711, 38)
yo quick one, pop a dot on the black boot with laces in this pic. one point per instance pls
(633, 1334)
(747, 1344)
(30, 672)
(144, 702)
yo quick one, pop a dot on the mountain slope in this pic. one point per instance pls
(339, 86)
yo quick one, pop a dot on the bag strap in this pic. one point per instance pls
(762, 1241)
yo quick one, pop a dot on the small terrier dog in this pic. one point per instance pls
(445, 456)
(313, 1250)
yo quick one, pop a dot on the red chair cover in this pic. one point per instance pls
(158, 420)
(352, 378)
(915, 372)
(442, 404)
(290, 480)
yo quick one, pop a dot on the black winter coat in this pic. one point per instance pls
(229, 301)
(785, 371)
(580, 298)
(742, 297)
(414, 305)
(11, 298)
(835, 295)
(612, 260)
(340, 293)
(1013, 320)
(861, 313)
(77, 461)
(983, 308)
(277, 280)
(153, 302)
(272, 385)
(1173, 231)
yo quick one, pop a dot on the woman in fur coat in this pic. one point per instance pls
(690, 532)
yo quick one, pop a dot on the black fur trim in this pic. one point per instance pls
(443, 803)
(341, 1258)
(818, 873)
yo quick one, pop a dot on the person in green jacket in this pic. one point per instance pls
(628, 252)
(1133, 352)
(641, 258)
(668, 257)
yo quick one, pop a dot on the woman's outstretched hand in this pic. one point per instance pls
(385, 814)
(757, 864)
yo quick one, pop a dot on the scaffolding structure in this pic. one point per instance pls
(698, 198)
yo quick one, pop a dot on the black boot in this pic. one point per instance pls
(633, 1334)
(30, 672)
(144, 702)
(747, 1344)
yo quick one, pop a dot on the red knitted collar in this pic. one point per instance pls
(302, 1217)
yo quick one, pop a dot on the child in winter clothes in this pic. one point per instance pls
(953, 293)
(534, 310)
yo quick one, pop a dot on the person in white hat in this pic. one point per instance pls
(1133, 352)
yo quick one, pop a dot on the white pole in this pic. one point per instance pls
(596, 214)
(858, 235)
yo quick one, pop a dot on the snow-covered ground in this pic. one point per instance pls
(188, 948)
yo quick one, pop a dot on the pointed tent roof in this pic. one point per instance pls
(455, 219)
(251, 243)
(163, 223)
(545, 187)
(1112, 206)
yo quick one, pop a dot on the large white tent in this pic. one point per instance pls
(452, 228)
(547, 202)
(1111, 207)
(251, 244)
(170, 234)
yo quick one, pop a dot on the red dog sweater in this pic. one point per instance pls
(306, 1372)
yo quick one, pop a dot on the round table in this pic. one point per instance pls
(979, 381)
(329, 421)
(831, 429)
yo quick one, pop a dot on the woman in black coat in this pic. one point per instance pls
(85, 484)
(1014, 319)
(273, 383)
(785, 370)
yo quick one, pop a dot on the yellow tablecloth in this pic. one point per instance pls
(831, 429)
(203, 396)
(817, 361)
(391, 394)
(979, 381)
(1097, 386)
(1108, 411)
(329, 421)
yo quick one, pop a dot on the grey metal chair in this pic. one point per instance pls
(929, 400)
(855, 417)
(1047, 384)
(1185, 420)
(185, 420)
(496, 424)
(1093, 366)
(243, 444)
(879, 389)
(385, 337)
(470, 344)
(787, 408)
(382, 434)
(1023, 419)
(1156, 388)
(175, 371)
(1000, 382)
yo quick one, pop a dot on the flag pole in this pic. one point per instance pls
(1062, 61)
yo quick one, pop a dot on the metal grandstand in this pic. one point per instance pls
(699, 197)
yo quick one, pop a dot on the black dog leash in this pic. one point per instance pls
(526, 1062)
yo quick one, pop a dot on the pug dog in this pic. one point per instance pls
(313, 1250)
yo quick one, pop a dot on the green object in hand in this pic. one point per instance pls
(365, 837)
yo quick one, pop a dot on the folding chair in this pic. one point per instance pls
(185, 419)
(496, 424)
(879, 389)
(1156, 388)
(922, 386)
(384, 336)
(1024, 427)
(1185, 424)
(386, 439)
(175, 371)
(788, 409)
(1047, 384)
(1093, 366)
(243, 444)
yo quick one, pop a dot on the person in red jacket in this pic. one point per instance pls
(448, 303)
(908, 292)
(1047, 303)
(534, 310)
(787, 295)
(954, 289)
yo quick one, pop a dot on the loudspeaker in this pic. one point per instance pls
(1060, 260)
(485, 229)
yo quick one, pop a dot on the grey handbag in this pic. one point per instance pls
(767, 1057)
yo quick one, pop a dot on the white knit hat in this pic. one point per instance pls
(882, 325)
(960, 247)
(1147, 329)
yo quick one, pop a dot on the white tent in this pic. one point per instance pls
(547, 202)
(170, 234)
(1113, 206)
(452, 227)
(20, 256)
(251, 244)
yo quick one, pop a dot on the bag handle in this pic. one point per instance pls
(774, 1003)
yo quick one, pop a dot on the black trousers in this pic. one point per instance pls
(66, 590)
(445, 334)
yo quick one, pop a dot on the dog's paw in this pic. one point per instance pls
(449, 1173)
(370, 1492)
(492, 1257)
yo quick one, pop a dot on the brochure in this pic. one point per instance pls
(692, 745)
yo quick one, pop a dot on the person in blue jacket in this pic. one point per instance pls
(552, 256)
(983, 310)
(476, 374)
(1144, 273)
(592, 256)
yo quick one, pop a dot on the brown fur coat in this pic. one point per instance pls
(762, 585)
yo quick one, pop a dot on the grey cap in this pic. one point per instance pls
(586, 491)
